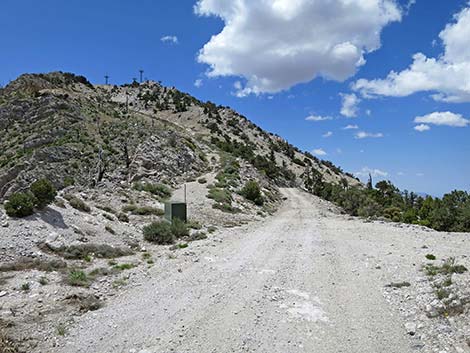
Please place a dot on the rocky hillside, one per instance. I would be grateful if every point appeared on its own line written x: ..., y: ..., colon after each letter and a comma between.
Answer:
x: 61, y: 127
x: 115, y: 154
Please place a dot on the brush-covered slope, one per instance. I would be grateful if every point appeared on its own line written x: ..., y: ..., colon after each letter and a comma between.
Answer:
x: 61, y: 127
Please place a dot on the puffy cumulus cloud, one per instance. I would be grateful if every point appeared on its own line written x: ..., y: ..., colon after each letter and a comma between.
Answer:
x: 351, y: 127
x: 276, y: 44
x: 319, y: 152
x: 349, y: 105
x: 375, y: 173
x: 443, y: 119
x: 318, y: 118
x: 328, y: 134
x: 198, y: 83
x: 169, y: 39
x: 447, y: 76
x: 363, y: 135
x: 422, y: 127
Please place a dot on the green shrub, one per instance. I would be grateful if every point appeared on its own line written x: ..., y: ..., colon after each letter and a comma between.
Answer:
x: 123, y: 267
x: 450, y: 267
x: 68, y: 181
x: 179, y: 228
x: 370, y: 208
x: 193, y: 224
x: 410, y: 216
x: 442, y: 293
x: 147, y: 210
x: 162, y: 191
x: 44, y: 192
x: 251, y: 191
x: 220, y: 195
x: 129, y: 208
x: 198, y: 236
x: 431, y: 270
x: 61, y: 330
x: 78, y: 278
x: 225, y: 207
x: 159, y: 232
x: 230, y: 175
x: 60, y: 203
x: 79, y: 204
x: 447, y: 282
x: 430, y: 257
x: 393, y: 213
x: 144, y: 210
x: 202, y: 180
x: 20, y: 205
x: 165, y: 233
x: 298, y: 162
x: 106, y: 209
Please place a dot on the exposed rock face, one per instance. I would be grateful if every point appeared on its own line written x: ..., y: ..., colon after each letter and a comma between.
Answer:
x: 158, y: 160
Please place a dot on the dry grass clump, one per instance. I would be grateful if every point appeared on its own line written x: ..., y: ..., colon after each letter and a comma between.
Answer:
x: 81, y: 251
x: 26, y: 263
x: 7, y: 344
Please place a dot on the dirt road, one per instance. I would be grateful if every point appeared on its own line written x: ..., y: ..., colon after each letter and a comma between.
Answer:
x: 304, y: 280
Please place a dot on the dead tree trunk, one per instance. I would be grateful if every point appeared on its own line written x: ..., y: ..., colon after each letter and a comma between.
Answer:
x: 101, y: 167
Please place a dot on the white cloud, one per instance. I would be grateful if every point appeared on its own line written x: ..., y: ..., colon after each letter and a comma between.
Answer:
x: 169, y: 39
x: 319, y: 152
x: 349, y: 105
x: 400, y: 174
x: 198, y: 83
x: 351, y: 127
x: 422, y: 127
x: 375, y: 173
x: 443, y: 119
x: 318, y: 118
x: 410, y: 5
x: 328, y: 134
x: 277, y: 44
x: 447, y: 76
x: 362, y: 135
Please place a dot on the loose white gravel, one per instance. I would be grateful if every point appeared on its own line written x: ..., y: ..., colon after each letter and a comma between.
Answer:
x: 304, y: 280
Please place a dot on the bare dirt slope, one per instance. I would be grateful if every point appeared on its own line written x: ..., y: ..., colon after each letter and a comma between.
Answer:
x: 305, y: 280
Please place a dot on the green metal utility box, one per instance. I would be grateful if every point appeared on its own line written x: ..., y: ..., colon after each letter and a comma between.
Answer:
x: 176, y: 210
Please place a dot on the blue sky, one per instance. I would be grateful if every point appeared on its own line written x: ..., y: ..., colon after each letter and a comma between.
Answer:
x: 94, y: 38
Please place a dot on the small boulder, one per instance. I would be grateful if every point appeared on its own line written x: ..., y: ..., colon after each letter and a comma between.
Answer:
x: 410, y: 328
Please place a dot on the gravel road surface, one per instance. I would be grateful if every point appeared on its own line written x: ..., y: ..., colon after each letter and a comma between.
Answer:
x: 303, y: 280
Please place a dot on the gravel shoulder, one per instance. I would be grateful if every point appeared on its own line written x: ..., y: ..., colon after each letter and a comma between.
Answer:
x: 306, y: 279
